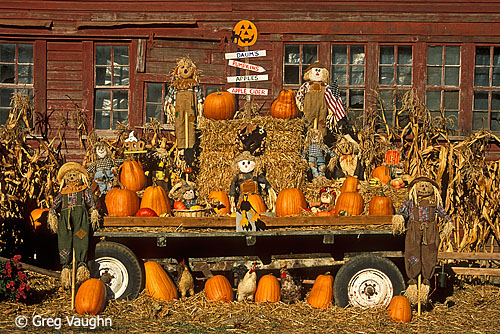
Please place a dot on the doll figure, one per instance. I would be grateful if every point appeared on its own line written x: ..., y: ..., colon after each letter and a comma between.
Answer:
x: 104, y: 168
x: 315, y: 151
x: 422, y: 233
x: 77, y: 211
x: 327, y: 200
x: 185, y: 192
x: 348, y: 162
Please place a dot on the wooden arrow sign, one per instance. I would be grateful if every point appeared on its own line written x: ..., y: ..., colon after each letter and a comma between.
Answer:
x: 248, y: 78
x: 246, y: 54
x: 247, y: 91
x: 246, y: 66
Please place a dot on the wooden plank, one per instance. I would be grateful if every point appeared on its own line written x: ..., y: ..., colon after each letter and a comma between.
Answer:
x: 476, y: 271
x: 468, y: 256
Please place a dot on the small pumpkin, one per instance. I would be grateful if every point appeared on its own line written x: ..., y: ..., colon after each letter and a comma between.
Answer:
x: 158, y: 283
x: 380, y: 206
x: 326, y: 213
x: 91, y: 297
x: 290, y: 202
x: 220, y: 202
x: 219, y: 105
x: 382, y: 173
x: 352, y: 203
x: 397, y: 183
x: 399, y: 309
x: 268, y: 289
x: 178, y: 205
x: 218, y: 288
x: 38, y: 217
x: 146, y: 212
x: 350, y: 185
x: 132, y: 176
x: 322, y: 292
x: 392, y: 157
x: 156, y: 198
x: 285, y: 105
x: 122, y: 202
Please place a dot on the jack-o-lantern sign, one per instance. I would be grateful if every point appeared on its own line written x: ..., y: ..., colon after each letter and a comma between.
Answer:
x: 244, y: 33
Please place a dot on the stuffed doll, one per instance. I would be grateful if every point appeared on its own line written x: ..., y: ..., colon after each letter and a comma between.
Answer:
x: 104, y: 168
x: 75, y: 203
x: 348, y: 162
x: 327, y: 200
x: 422, y: 233
x: 185, y: 192
x: 315, y: 151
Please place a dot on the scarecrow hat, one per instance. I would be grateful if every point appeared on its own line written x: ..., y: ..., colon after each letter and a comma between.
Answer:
x: 70, y: 167
x: 422, y: 179
x: 313, y: 65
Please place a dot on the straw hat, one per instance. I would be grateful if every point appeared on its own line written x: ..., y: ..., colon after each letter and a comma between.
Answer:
x: 423, y: 179
x: 70, y: 167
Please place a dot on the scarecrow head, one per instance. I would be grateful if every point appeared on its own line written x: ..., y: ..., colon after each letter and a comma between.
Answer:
x: 314, y: 136
x: 316, y: 73
x: 72, y: 173
x: 183, y: 191
x: 345, y: 147
x: 185, y: 69
x: 246, y: 163
x: 102, y: 150
x: 424, y: 188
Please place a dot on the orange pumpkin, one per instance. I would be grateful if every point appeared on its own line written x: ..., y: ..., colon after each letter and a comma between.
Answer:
x: 132, y: 175
x: 326, y: 213
x: 218, y: 288
x: 178, y: 205
x: 221, y: 202
x: 146, y: 212
x: 350, y: 185
x: 268, y: 289
x: 380, y: 206
x: 37, y: 217
x: 219, y: 105
x: 290, y: 202
x: 257, y: 203
x: 156, y: 198
x: 322, y: 292
x: 122, y: 202
x: 382, y: 173
x: 158, y: 283
x: 352, y: 203
x: 392, y: 157
x: 399, y: 309
x: 91, y: 297
x: 285, y: 106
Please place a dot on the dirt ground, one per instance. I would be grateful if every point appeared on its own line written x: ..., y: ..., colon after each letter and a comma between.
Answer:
x: 469, y: 309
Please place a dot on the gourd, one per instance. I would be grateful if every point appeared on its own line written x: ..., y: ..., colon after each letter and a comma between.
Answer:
x: 322, y: 292
x: 122, y: 202
x: 268, y: 289
x: 218, y: 288
x: 156, y: 198
x: 91, y: 297
x: 290, y: 202
x: 219, y: 106
x: 158, y: 283
x: 285, y: 106
x: 399, y: 309
x: 382, y: 173
x: 222, y: 205
x: 132, y: 175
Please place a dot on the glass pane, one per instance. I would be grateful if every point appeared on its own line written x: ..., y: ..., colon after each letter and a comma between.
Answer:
x: 5, y: 97
x: 496, y: 76
x: 451, y: 75
x: 481, y: 76
x: 386, y: 75
x: 433, y: 76
x: 25, y: 74
x: 292, y: 75
x: 386, y: 54
x: 356, y: 99
x: 495, y: 121
x: 388, y: 105
x: 482, y: 55
x: 103, y: 99
x: 120, y: 100
x: 495, y: 101
x: 120, y: 55
x: 7, y: 73
x: 433, y: 100
x: 103, y: 76
x: 119, y: 116
x: 453, y: 117
x: 339, y: 72
x: 120, y: 76
x: 4, y: 115
x: 496, y: 56
x: 102, y: 117
x: 404, y: 75
x: 292, y: 54
x: 451, y: 100
x: 434, y: 55
x: 103, y: 55
x: 405, y: 55
x: 309, y: 53
x: 153, y: 111
x: 25, y: 53
x: 339, y: 54
x: 452, y: 56
x: 479, y: 120
x: 7, y: 53
x: 357, y: 75
x: 480, y: 101
x: 209, y: 89
x: 357, y: 54
x: 154, y: 92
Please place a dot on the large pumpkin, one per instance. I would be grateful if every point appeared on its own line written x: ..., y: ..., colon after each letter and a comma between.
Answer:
x: 382, y: 173
x: 322, y: 292
x: 219, y: 105
x: 380, y: 206
x: 285, y: 106
x: 399, y: 309
x: 38, y: 217
x: 221, y: 202
x: 268, y: 289
x: 290, y: 202
x: 122, y: 202
x: 218, y: 288
x: 156, y: 198
x: 158, y: 283
x: 350, y: 185
x: 91, y: 297
x: 132, y: 175
x: 257, y: 203
x: 352, y: 203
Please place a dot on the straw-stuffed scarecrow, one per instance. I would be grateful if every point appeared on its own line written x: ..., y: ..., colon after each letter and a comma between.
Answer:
x: 422, y: 233
x: 76, y: 207
x: 315, y: 151
x: 348, y: 162
x: 185, y: 192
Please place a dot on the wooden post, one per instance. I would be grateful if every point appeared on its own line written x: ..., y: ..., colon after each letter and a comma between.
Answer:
x: 73, y: 279
x: 186, y: 130
x: 419, y: 291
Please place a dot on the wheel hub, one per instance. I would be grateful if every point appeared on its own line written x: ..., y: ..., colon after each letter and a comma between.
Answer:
x: 370, y: 287
x: 114, y: 274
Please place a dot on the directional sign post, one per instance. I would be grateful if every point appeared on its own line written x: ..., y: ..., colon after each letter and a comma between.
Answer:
x: 246, y: 66
x: 248, y: 91
x: 248, y: 78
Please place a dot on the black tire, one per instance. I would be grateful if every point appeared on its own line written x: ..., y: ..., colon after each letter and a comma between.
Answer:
x: 125, y: 271
x: 364, y: 281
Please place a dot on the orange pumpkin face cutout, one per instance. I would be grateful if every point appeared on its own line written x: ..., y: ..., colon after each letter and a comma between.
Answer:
x: 244, y: 33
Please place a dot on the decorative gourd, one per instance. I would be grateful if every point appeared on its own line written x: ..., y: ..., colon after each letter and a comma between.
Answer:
x: 382, y: 173
x: 326, y: 213
x: 122, y: 202
x: 397, y: 183
x: 350, y: 185
x: 222, y: 205
x: 132, y: 175
x: 290, y: 202
x: 218, y: 288
x: 146, y: 212
x: 156, y: 198
x: 322, y: 292
x: 158, y: 283
x: 399, y: 309
x: 91, y: 297
x: 352, y: 203
x: 36, y: 217
x: 380, y: 206
x: 285, y: 106
x: 268, y: 289
x: 219, y: 105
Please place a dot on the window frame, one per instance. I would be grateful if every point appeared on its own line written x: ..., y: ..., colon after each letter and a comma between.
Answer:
x: 300, y: 65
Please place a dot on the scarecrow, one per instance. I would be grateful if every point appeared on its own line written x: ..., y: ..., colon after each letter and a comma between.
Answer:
x: 315, y: 151
x: 348, y: 162
x: 422, y: 233
x: 327, y: 200
x: 74, y: 202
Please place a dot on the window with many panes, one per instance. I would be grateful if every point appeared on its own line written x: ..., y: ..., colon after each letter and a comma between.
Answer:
x: 297, y: 58
x: 111, y: 86
x: 348, y: 68
x: 16, y: 74
x: 395, y: 77
x: 486, y: 107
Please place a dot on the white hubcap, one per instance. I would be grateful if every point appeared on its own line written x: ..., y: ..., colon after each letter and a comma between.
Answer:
x: 370, y: 287
x: 114, y: 274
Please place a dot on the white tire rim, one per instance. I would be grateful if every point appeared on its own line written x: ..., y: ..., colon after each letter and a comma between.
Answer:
x: 117, y: 272
x: 369, y: 288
